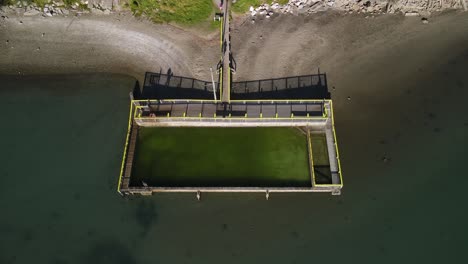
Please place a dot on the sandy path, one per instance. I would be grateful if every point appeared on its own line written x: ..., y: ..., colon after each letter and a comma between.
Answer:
x: 289, y: 45
x: 366, y: 59
x: 356, y: 53
x: 117, y: 44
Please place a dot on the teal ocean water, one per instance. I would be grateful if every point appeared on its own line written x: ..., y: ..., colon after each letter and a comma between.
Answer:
x: 404, y: 150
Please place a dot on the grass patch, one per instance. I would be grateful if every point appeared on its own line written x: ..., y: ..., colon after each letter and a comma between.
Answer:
x: 179, y: 11
x: 215, y: 25
x: 231, y: 157
x: 242, y: 6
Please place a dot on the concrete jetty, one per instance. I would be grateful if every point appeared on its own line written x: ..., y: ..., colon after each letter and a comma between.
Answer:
x: 226, y: 55
x: 174, y: 101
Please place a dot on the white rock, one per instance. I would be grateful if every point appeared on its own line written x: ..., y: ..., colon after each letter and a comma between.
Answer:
x: 411, y: 14
x: 32, y: 12
x: 251, y: 8
x: 107, y: 12
x: 253, y: 13
x: 97, y: 11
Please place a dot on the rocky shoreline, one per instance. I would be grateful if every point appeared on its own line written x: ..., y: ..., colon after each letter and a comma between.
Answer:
x: 371, y: 7
x: 59, y: 8
x: 422, y: 8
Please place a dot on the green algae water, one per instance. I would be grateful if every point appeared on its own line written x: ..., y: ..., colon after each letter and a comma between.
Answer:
x: 403, y: 148
x: 221, y: 157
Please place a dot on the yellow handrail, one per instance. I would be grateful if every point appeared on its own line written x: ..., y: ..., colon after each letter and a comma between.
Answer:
x: 336, y: 143
x: 233, y: 117
x: 311, y: 156
x: 129, y: 128
x: 236, y: 101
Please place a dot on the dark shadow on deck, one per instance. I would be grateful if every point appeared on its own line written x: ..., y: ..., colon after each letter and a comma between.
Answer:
x: 168, y: 86
x: 322, y: 174
x: 296, y: 87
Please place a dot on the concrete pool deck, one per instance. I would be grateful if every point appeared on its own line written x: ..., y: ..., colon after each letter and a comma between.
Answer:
x: 147, y: 113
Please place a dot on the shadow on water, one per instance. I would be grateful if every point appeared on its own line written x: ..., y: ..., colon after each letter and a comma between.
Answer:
x: 137, y: 90
x: 109, y: 251
x: 145, y: 215
x: 169, y: 86
x: 58, y: 261
x: 28, y: 235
